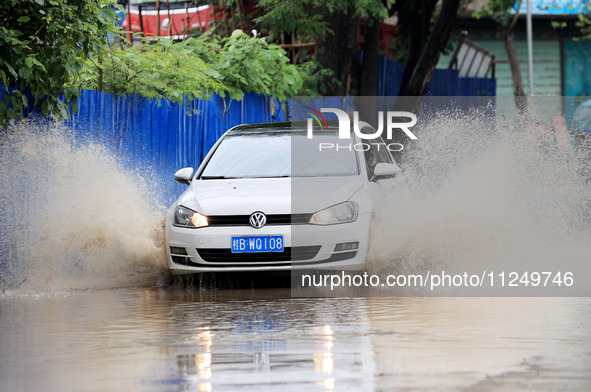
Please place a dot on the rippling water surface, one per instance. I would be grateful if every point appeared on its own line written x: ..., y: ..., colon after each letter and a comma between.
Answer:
x: 171, y: 339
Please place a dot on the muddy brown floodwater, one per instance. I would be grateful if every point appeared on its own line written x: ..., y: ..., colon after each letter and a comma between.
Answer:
x: 156, y: 339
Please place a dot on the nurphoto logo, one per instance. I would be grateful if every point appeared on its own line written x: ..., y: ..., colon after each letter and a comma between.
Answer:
x: 392, y: 120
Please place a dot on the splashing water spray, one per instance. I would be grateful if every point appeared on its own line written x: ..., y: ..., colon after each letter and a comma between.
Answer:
x: 72, y: 216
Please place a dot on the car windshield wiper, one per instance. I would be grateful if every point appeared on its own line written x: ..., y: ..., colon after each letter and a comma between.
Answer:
x: 214, y: 177
x: 280, y: 176
x: 226, y: 178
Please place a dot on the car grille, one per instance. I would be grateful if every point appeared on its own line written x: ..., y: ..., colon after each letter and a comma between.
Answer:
x: 233, y: 262
x: 288, y: 254
x: 243, y: 220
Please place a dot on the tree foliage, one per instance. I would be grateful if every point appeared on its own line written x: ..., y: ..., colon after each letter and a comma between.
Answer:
x: 334, y: 25
x: 196, y: 68
x: 43, y: 44
x: 331, y: 24
x: 52, y: 48
x: 583, y: 22
x: 498, y: 10
x: 290, y: 17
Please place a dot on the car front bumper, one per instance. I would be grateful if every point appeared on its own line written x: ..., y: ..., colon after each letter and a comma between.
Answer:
x: 208, y: 249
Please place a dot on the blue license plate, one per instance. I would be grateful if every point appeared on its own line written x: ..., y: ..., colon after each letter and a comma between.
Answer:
x: 252, y: 244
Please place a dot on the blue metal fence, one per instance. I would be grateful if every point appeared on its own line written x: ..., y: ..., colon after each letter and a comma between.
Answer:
x: 444, y: 82
x: 161, y: 136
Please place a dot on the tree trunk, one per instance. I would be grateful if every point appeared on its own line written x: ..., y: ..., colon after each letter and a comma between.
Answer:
x: 421, y: 74
x: 411, y: 92
x: 368, y: 84
x: 336, y: 52
x: 414, y: 22
x: 100, y: 74
x: 518, y: 90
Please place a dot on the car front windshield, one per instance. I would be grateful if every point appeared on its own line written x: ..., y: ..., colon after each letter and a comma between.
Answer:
x: 279, y: 154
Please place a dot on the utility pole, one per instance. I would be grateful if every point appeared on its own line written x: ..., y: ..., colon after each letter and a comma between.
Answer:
x: 530, y: 54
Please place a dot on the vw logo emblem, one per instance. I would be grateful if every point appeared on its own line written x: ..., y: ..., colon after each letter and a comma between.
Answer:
x: 258, y: 220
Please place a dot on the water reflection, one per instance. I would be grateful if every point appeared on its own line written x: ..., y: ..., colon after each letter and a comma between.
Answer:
x: 270, y: 340
x: 221, y: 340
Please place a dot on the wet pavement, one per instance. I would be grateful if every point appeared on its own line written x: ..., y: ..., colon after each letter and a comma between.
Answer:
x: 165, y: 339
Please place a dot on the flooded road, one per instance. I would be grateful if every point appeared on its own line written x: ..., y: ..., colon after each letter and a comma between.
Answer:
x: 100, y: 229
x: 165, y: 339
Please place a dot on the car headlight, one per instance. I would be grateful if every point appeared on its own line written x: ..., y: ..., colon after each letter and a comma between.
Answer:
x: 185, y: 217
x: 341, y: 213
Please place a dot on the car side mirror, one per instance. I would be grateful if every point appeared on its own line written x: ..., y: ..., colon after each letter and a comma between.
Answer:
x: 385, y: 170
x: 184, y: 175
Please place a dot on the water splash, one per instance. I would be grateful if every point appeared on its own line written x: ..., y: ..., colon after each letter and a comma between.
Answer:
x: 487, y: 195
x: 73, y: 217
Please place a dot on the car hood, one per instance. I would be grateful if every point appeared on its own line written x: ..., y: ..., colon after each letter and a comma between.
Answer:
x: 269, y: 195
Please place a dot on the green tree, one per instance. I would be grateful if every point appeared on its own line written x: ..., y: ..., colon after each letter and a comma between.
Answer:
x: 43, y: 44
x: 584, y: 20
x: 333, y: 26
x: 196, y: 68
x: 282, y: 22
x: 423, y: 29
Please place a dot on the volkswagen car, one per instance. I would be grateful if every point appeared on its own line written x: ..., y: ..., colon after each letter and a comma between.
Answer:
x: 272, y: 197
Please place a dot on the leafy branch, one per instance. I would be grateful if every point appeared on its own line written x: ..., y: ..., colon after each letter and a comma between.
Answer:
x: 43, y: 44
x: 197, y: 68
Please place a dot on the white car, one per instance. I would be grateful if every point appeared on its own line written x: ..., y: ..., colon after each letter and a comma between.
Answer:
x: 268, y: 198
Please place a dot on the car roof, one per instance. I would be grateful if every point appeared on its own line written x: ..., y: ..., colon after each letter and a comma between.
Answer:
x: 278, y: 127
x: 269, y: 127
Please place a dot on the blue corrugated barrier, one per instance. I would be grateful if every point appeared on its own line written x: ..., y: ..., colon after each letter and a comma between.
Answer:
x: 444, y: 82
x: 161, y: 136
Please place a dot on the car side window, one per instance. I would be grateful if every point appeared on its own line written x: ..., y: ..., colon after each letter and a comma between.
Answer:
x: 376, y: 153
